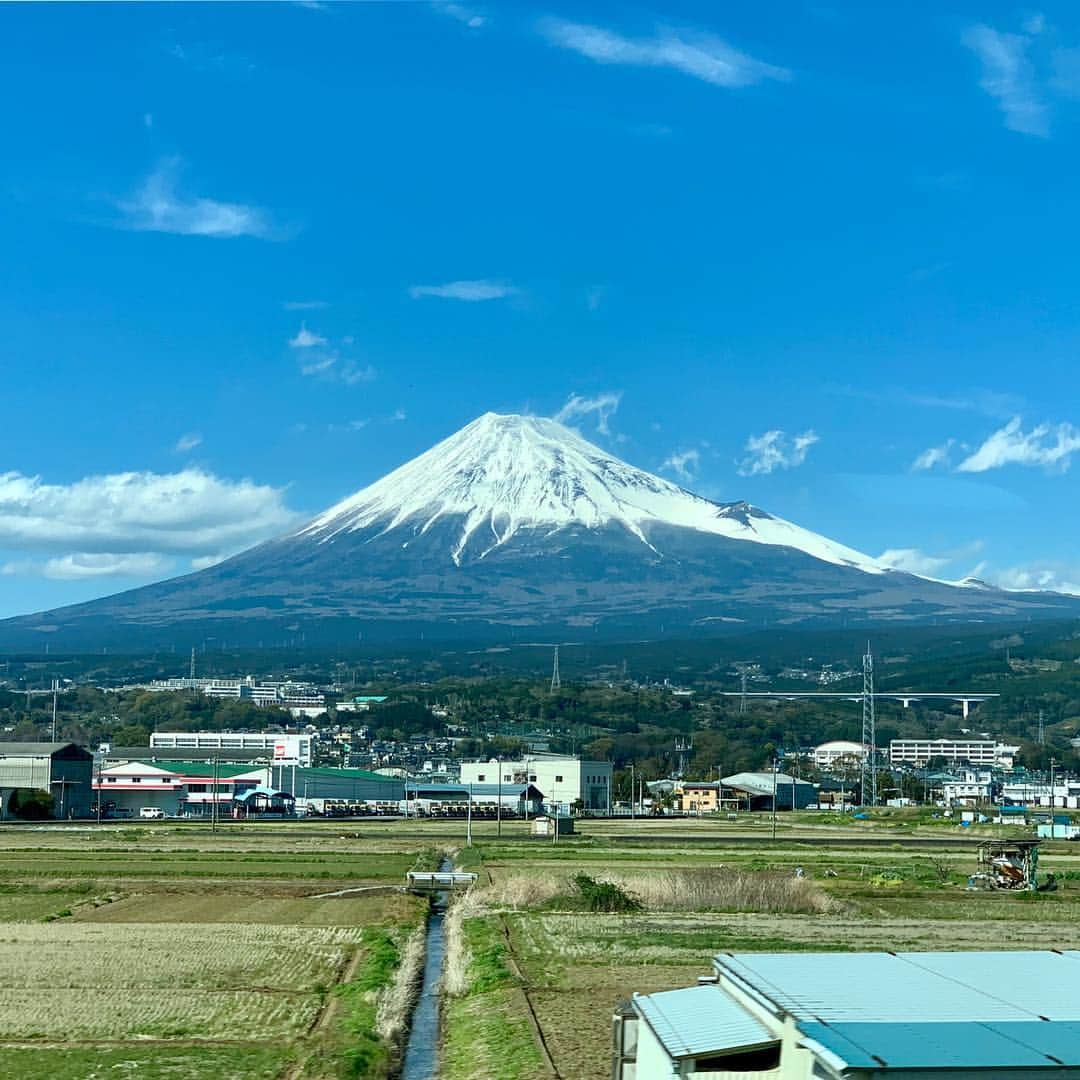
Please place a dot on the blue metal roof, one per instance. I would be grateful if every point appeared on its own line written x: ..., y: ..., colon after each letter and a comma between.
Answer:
x: 925, y: 1010
x: 953, y: 1045
x: 700, y: 1020
x: 914, y: 987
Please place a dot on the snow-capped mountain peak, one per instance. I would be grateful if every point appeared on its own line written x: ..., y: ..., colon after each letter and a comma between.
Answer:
x: 501, y: 474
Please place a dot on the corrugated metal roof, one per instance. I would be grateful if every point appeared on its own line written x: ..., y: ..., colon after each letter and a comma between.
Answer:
x: 920, y: 1010
x: 954, y: 1045
x: 700, y: 1020
x: 914, y: 987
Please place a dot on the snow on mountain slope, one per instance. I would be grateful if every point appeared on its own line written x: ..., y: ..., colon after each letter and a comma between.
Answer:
x: 504, y: 473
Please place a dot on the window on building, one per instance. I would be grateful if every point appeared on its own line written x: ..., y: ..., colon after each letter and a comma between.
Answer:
x: 558, y: 779
x: 480, y: 778
x: 532, y: 779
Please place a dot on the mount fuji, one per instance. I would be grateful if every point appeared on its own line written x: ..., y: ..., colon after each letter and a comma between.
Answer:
x: 515, y: 526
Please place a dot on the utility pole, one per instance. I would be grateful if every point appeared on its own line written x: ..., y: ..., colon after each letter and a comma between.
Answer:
x: 468, y: 820
x: 633, y: 790
x: 498, y: 805
x: 1053, y: 830
x: 868, y: 773
x: 214, y: 799
x: 55, y: 688
x: 774, y: 797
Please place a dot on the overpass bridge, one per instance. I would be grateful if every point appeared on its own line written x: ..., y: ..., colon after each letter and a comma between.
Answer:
x: 967, y: 698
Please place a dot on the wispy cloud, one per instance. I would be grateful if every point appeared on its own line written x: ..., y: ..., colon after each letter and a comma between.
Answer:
x: 1045, y: 446
x: 397, y: 416
x: 158, y: 206
x: 1008, y: 76
x: 469, y: 291
x: 683, y: 463
x: 702, y: 56
x: 306, y: 339
x: 992, y: 403
x: 331, y: 368
x: 934, y: 456
x: 471, y: 18
x: 603, y: 406
x: 774, y: 450
x: 188, y: 442
x: 305, y: 305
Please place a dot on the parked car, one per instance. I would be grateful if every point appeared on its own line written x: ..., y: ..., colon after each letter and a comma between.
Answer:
x: 152, y: 812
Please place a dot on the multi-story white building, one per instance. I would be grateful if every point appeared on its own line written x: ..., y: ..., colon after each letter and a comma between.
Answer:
x: 301, y: 699
x: 972, y: 786
x: 967, y: 751
x: 561, y: 780
x: 282, y: 749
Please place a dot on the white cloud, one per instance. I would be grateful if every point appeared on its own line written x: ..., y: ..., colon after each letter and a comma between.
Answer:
x: 333, y: 369
x: 1046, y: 446
x: 470, y: 291
x: 158, y: 207
x: 683, y: 463
x: 1043, y: 576
x: 187, y: 512
x: 603, y: 405
x: 472, y: 19
x: 305, y: 339
x: 702, y: 56
x: 305, y: 305
x: 81, y: 565
x: 914, y: 561
x: 1009, y: 78
x: 934, y: 456
x: 204, y: 562
x: 187, y: 442
x: 398, y: 416
x: 774, y: 450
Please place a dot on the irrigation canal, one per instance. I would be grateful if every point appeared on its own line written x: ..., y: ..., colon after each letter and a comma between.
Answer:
x: 422, y: 1050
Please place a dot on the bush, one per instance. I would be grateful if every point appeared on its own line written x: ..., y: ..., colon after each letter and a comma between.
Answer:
x: 604, y: 896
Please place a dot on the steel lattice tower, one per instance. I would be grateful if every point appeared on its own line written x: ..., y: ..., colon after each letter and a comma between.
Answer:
x: 868, y: 772
x: 556, y: 682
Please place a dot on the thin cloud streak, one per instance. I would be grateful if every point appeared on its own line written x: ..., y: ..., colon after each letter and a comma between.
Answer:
x: 699, y: 55
x: 469, y: 291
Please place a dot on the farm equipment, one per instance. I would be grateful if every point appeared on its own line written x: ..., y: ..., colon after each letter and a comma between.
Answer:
x: 1007, y: 864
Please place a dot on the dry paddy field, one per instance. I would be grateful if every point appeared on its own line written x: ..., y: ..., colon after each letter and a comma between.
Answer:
x: 171, y: 953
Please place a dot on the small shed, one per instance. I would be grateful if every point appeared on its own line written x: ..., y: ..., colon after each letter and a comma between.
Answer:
x: 553, y: 825
x: 264, y: 802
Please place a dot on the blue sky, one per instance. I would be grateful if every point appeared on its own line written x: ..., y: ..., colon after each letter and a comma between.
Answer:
x: 818, y: 256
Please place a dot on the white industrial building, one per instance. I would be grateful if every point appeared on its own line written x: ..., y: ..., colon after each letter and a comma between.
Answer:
x: 1063, y: 793
x: 962, y: 751
x: 562, y: 780
x: 281, y: 749
x: 838, y: 752
x: 834, y: 1016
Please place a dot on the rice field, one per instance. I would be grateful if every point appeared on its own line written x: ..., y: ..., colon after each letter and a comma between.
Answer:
x: 184, y: 955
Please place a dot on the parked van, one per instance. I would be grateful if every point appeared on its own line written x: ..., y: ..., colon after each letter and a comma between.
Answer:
x: 151, y: 812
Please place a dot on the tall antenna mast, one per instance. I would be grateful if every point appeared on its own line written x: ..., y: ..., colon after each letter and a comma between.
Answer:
x: 556, y: 682
x: 868, y: 772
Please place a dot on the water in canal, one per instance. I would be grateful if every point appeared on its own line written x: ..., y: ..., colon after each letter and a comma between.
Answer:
x: 422, y: 1052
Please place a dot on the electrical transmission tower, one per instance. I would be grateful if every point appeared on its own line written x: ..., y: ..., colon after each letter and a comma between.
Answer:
x: 742, y: 698
x: 1040, y: 738
x: 683, y: 746
x: 556, y: 682
x: 191, y: 669
x: 868, y: 772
